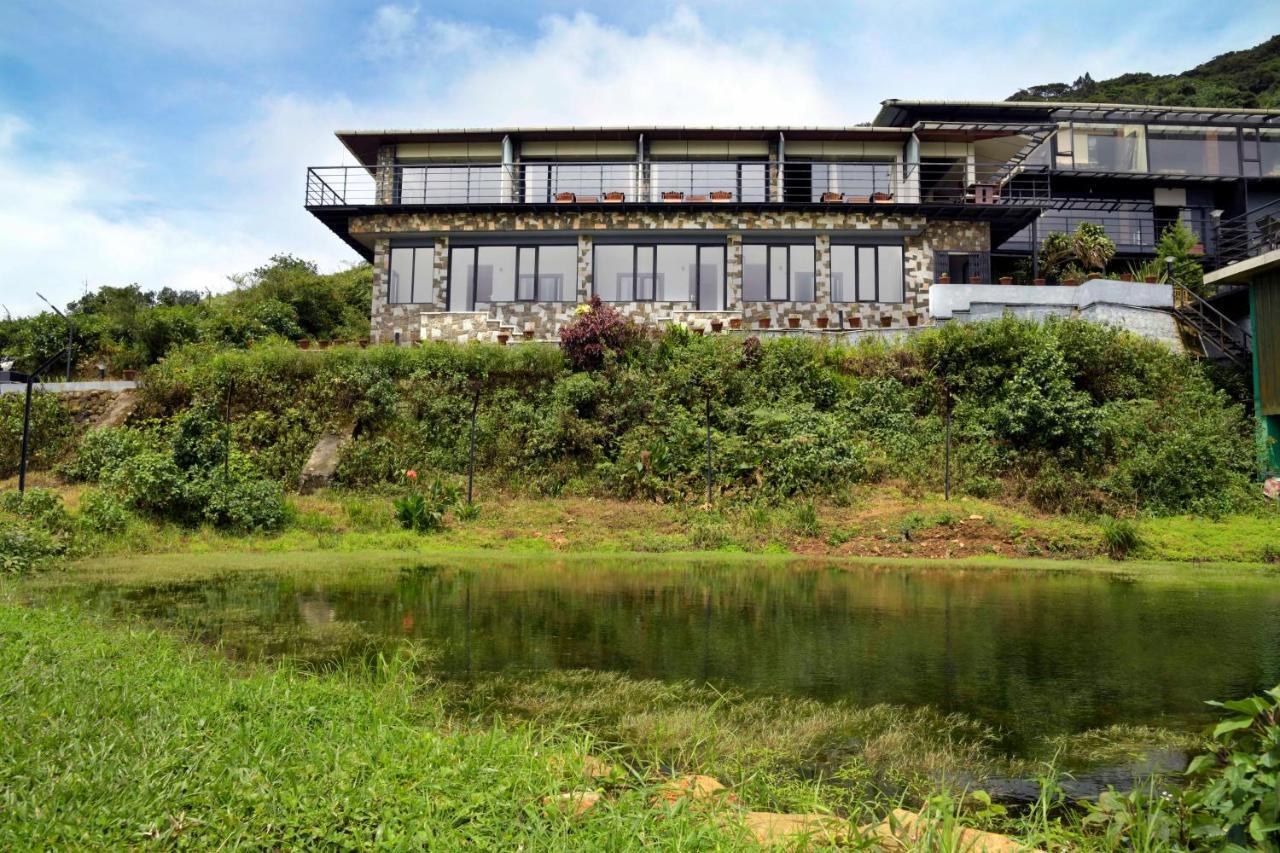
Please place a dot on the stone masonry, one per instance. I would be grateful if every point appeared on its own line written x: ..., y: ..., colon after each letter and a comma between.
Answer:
x: 430, y: 320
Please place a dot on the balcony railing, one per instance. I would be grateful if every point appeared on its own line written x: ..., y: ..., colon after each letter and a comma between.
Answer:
x: 674, y: 182
x: 1133, y: 232
x: 1249, y: 235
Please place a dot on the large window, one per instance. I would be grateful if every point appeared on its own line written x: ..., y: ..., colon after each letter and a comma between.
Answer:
x: 449, y: 184
x: 778, y: 273
x: 410, y: 280
x: 856, y: 179
x: 544, y: 181
x: 669, y: 272
x: 861, y: 273
x: 1269, y: 152
x: 490, y: 274
x: 1193, y: 150
x: 1105, y: 147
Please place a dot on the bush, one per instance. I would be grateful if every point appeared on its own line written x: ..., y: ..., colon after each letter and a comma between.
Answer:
x: 422, y: 510
x: 102, y: 512
x: 51, y: 430
x: 597, y: 332
x: 33, y: 530
x: 102, y: 451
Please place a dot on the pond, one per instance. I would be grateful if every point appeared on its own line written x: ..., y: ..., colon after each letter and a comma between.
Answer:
x: 1033, y: 653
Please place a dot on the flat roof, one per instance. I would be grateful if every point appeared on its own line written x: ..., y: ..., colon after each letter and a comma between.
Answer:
x: 364, y: 143
x: 898, y: 112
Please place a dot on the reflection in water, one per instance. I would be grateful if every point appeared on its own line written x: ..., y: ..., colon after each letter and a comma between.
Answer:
x: 1035, y: 654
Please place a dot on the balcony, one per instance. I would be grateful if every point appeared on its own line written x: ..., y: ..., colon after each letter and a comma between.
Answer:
x: 742, y: 182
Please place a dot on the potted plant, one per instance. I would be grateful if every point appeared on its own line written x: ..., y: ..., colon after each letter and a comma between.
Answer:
x: 1126, y: 276
x: 858, y: 199
x: 1006, y: 279
x: 764, y: 322
x: 882, y: 198
x: 717, y: 325
x: 975, y: 279
x: 1093, y: 276
x: 721, y: 196
x: 828, y: 198
x: 696, y: 199
x: 1150, y: 279
x: 615, y: 197
x: 565, y: 198
x: 528, y: 333
x: 672, y: 195
x: 503, y: 337
x: 945, y: 278
x: 1039, y: 282
x: 129, y: 375
x: 1070, y: 280
x: 885, y: 321
x: 913, y: 319
x: 793, y: 322
x: 364, y: 343
x: 822, y: 321
x: 735, y: 323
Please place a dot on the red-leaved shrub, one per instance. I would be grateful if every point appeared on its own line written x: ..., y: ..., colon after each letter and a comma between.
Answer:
x: 599, y: 330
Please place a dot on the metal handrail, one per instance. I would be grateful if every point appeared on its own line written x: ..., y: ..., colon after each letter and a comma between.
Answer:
x: 690, y: 181
x: 1220, y: 322
x: 1249, y: 234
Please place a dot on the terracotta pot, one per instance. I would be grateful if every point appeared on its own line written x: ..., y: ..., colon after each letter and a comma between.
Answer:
x: 886, y: 322
x: 528, y: 334
x: 722, y: 196
x: 1197, y: 249
x: 364, y: 343
x: 565, y: 198
x: 735, y: 323
x: 503, y: 338
x: 304, y: 344
x: 764, y: 324
x: 975, y: 279
x: 672, y: 196
x: 945, y: 278
x: 855, y: 322
x: 793, y: 322
x: 698, y: 331
x: 129, y: 375
x: 615, y: 198
x: 1093, y: 276
x: 717, y: 325
x: 1125, y: 276
x: 822, y: 322
x: 1150, y: 279
x: 1070, y: 281
x: 1039, y: 282
x: 827, y: 198
x: 913, y: 319
x: 881, y: 198
x: 1006, y: 279
x: 859, y: 199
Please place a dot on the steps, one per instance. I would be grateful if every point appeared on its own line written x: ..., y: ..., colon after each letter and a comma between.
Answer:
x: 1213, y: 329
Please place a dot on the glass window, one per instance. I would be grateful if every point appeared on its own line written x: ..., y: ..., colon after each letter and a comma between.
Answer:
x: 1110, y: 147
x: 802, y: 272
x: 400, y: 286
x: 411, y: 275
x: 755, y: 272
x: 450, y: 184
x: 778, y: 273
x: 844, y: 273
x: 677, y: 269
x: 496, y: 274
x: 867, y: 274
x: 746, y: 181
x: 614, y: 272
x: 1269, y: 148
x: 852, y: 178
x: 462, y: 262
x: 1193, y: 151
x: 645, y: 289
x: 558, y: 273
x: 711, y: 278
x: 527, y: 285
x: 889, y: 273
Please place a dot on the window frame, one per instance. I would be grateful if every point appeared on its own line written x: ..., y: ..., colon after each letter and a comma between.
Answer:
x: 413, y: 275
x: 857, y: 272
x: 785, y: 246
x: 475, y: 270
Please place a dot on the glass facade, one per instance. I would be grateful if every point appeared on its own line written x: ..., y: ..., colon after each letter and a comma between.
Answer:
x: 508, y: 273
x: 665, y: 272
x: 1193, y: 150
x: 778, y: 273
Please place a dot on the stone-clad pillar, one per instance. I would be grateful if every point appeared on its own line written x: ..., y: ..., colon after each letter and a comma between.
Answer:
x: 584, y: 268
x: 822, y: 271
x: 733, y: 273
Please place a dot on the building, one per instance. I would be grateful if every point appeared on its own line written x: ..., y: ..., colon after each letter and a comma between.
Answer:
x: 477, y: 234
x: 1132, y: 169
x: 501, y: 233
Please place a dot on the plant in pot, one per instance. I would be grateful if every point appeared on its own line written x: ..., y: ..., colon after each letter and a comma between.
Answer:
x: 1039, y: 282
x: 885, y: 321
x: 827, y: 198
x: 615, y: 197
x: 855, y: 322
x: 503, y: 337
x: 1006, y: 279
x: 793, y: 322
x: 764, y: 322
x: 565, y: 198
x: 717, y: 325
x: 735, y: 322
x: 975, y: 279
x: 822, y: 321
x: 304, y: 343
x: 913, y: 319
x: 721, y: 196
x: 945, y: 278
x: 672, y: 195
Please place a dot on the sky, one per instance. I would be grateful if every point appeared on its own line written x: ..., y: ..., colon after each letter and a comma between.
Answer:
x: 167, y: 143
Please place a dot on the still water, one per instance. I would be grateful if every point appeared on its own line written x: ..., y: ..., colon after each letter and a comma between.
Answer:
x: 1034, y: 653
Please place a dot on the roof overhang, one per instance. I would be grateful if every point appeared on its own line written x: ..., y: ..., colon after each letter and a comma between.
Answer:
x: 903, y: 113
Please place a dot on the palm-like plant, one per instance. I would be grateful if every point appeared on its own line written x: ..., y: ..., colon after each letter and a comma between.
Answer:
x: 1092, y: 248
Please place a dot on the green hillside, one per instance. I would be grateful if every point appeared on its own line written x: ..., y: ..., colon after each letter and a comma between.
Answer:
x: 1242, y: 78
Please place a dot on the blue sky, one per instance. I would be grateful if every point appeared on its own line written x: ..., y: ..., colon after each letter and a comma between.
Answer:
x: 166, y: 143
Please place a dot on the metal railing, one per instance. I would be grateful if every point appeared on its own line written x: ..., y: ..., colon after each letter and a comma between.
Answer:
x: 1135, y: 232
x: 1212, y: 326
x: 664, y: 181
x: 1248, y: 235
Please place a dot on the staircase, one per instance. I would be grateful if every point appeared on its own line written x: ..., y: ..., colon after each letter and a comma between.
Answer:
x: 1212, y: 328
x: 1247, y: 236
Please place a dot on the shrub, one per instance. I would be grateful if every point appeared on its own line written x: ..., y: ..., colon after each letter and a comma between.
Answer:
x: 102, y: 512
x: 423, y: 509
x: 1120, y: 537
x: 51, y: 431
x: 102, y: 451
x: 597, y: 332
x: 33, y: 530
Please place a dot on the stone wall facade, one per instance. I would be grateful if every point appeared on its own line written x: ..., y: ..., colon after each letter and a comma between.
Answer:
x: 429, y: 319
